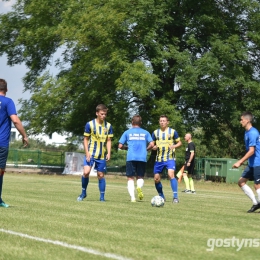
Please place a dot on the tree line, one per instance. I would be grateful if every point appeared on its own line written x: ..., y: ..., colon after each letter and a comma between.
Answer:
x: 195, y: 61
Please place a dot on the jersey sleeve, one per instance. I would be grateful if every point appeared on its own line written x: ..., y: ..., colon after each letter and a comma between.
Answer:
x: 191, y: 147
x: 149, y: 138
x: 87, y: 131
x: 176, y: 137
x: 11, y: 110
x: 122, y: 139
x: 110, y: 131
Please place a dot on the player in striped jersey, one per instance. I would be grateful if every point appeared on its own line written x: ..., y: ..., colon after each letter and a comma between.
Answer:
x: 166, y: 140
x: 97, y: 145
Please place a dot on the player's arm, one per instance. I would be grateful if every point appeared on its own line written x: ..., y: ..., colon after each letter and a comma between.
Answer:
x: 249, y: 153
x: 85, y: 143
x: 155, y: 147
x: 19, y: 126
x: 192, y: 153
x: 150, y: 146
x: 109, y: 145
x: 176, y: 145
x: 122, y: 147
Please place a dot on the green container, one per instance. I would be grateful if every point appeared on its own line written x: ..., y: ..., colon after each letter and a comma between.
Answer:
x: 220, y: 169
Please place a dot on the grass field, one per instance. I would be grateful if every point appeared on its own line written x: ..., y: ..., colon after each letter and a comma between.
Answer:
x: 44, y: 221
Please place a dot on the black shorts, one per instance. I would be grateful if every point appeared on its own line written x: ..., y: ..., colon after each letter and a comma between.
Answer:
x: 252, y: 174
x: 135, y: 168
x: 189, y: 169
x: 3, y: 157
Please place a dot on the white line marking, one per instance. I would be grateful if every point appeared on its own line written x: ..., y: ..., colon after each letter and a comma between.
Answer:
x: 59, y: 243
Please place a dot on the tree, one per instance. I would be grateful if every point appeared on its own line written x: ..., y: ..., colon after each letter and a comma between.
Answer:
x: 193, y: 60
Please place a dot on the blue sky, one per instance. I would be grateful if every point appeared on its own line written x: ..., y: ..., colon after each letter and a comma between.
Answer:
x: 13, y: 75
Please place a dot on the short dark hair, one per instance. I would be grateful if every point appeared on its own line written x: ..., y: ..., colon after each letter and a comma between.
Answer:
x: 248, y: 115
x: 101, y: 107
x: 3, y: 85
x: 137, y: 120
x: 164, y: 117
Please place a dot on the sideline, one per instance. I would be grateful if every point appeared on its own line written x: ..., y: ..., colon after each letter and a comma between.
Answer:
x: 59, y: 243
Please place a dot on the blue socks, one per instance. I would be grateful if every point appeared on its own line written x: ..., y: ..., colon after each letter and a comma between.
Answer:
x: 102, y: 188
x: 159, y: 189
x: 84, y: 182
x: 101, y: 185
x: 174, y: 185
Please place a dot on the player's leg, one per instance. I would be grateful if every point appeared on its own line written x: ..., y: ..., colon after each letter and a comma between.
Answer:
x: 257, y: 182
x: 3, y: 159
x: 191, y: 182
x: 140, y: 171
x: 100, y: 166
x: 248, y: 174
x: 85, y: 179
x: 173, y: 180
x: 130, y: 173
x: 186, y: 180
x: 158, y: 168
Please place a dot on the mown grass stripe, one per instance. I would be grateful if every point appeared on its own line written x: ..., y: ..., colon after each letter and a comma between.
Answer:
x: 63, y: 244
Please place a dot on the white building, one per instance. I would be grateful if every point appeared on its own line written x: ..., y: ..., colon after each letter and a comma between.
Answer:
x: 54, y: 139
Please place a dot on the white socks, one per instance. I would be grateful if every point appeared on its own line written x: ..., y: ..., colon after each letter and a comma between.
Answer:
x: 248, y: 191
x: 140, y: 183
x: 258, y: 193
x: 131, y: 189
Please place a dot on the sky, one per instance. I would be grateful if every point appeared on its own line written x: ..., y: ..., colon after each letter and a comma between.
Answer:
x: 12, y: 74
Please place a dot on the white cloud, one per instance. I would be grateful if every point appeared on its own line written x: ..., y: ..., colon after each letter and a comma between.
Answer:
x: 5, y: 6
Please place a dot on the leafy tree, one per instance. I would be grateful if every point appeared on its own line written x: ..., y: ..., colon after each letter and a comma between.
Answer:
x: 196, y: 61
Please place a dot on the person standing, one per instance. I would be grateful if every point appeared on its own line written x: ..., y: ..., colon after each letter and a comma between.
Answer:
x: 8, y: 116
x: 189, y: 165
x: 97, y: 146
x: 135, y: 141
x: 252, y: 171
x: 166, y: 140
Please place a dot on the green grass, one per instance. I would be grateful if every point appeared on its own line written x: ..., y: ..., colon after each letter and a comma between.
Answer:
x: 45, y: 207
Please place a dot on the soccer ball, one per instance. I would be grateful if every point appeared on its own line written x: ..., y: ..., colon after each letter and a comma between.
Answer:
x: 157, y: 201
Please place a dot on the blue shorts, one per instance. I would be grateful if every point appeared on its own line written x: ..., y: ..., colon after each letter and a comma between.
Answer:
x: 252, y: 174
x: 159, y: 166
x: 135, y: 168
x: 100, y: 165
x: 3, y: 157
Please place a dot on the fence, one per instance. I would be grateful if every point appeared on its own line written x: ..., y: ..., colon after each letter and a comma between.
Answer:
x: 35, y: 158
x: 205, y: 168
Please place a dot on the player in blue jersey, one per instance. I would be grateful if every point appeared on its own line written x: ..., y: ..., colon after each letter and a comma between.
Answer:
x: 137, y: 142
x: 166, y: 140
x: 252, y: 171
x: 7, y: 116
x: 97, y: 145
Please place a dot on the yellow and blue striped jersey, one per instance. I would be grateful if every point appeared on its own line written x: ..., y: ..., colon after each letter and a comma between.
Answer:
x: 98, y: 135
x: 162, y: 140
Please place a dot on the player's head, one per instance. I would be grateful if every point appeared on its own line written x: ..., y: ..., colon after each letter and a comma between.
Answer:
x: 163, y: 121
x: 101, y: 107
x: 246, y: 119
x: 137, y: 120
x: 3, y: 86
x: 187, y: 137
x: 101, y: 112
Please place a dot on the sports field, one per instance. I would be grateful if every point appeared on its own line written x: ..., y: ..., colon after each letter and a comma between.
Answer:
x: 44, y: 221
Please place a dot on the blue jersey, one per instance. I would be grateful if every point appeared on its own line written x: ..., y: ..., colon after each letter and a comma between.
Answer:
x: 7, y: 108
x: 136, y: 139
x: 252, y: 140
x: 98, y: 135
